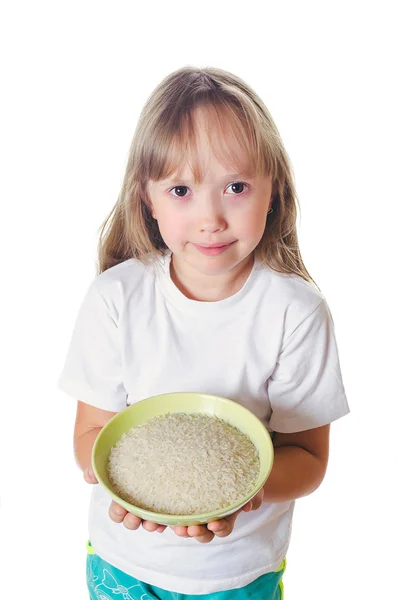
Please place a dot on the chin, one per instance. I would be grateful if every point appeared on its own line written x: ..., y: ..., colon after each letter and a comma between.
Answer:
x: 216, y: 265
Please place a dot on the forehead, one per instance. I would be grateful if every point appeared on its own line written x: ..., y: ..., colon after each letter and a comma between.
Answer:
x: 210, y: 145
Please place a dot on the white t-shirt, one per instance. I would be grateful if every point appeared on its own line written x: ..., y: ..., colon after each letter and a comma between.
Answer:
x: 270, y: 346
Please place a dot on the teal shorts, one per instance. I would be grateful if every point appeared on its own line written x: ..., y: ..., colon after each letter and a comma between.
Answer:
x: 107, y: 583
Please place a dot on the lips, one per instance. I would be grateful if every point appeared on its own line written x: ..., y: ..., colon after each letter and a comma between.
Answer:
x: 220, y: 245
x: 213, y: 249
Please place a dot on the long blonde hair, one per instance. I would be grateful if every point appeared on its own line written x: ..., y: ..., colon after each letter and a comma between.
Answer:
x: 165, y: 138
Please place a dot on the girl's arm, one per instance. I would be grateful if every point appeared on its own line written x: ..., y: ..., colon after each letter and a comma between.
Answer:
x: 89, y: 422
x: 300, y: 463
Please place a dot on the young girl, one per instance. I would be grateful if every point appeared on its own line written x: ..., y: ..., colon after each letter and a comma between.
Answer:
x: 201, y: 287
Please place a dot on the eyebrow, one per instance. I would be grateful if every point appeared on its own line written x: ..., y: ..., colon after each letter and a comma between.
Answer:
x: 228, y: 176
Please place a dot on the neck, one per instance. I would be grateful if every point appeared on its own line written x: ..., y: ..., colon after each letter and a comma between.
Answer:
x: 204, y: 288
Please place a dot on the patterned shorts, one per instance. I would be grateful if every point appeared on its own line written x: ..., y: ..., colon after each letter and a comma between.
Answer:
x: 105, y: 582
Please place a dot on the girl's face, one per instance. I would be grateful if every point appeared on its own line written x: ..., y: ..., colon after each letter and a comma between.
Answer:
x: 213, y: 227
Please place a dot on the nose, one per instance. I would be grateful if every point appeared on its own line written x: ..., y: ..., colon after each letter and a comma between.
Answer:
x: 211, y: 218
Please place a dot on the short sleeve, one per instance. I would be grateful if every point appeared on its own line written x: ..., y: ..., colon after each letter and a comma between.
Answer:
x: 305, y: 389
x: 92, y: 371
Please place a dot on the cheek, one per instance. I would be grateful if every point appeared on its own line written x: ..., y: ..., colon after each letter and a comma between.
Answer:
x: 252, y: 224
x: 171, y: 225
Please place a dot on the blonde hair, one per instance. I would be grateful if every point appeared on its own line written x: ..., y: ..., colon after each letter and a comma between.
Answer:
x: 165, y: 138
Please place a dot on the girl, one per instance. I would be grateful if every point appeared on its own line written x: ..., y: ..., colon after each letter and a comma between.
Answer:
x: 201, y: 287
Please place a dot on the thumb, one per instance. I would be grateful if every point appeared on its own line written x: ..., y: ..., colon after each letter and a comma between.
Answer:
x: 89, y: 475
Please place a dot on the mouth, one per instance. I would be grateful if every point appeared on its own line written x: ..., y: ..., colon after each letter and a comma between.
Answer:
x: 213, y: 249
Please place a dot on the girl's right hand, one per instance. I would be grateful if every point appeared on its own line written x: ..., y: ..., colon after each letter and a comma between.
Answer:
x: 89, y: 475
x: 118, y: 514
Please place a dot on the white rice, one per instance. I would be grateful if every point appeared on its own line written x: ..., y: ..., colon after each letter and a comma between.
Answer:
x: 183, y: 464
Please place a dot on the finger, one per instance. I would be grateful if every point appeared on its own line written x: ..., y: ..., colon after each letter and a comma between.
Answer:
x: 220, y: 528
x: 89, y: 475
x: 216, y: 526
x: 197, y: 530
x: 247, y: 507
x: 150, y: 526
x: 161, y: 528
x: 181, y: 531
x: 257, y: 500
x: 131, y: 521
x: 224, y: 527
x: 256, y: 503
x: 117, y: 512
x: 205, y: 538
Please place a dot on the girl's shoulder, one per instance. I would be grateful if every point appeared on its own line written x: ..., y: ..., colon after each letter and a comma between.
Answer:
x: 290, y: 292
x: 116, y: 286
x: 130, y: 273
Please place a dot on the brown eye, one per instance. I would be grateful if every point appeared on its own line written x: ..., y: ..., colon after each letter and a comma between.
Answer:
x: 237, y: 185
x: 179, y: 190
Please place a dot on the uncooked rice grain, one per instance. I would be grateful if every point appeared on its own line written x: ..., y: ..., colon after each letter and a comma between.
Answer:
x: 183, y: 464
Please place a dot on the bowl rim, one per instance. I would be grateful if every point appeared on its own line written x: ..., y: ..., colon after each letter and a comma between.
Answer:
x: 227, y: 510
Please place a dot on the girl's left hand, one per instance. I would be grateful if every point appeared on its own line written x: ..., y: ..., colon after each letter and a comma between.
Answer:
x: 222, y: 528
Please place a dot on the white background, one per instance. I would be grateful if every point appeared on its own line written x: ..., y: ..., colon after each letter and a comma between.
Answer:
x: 75, y: 76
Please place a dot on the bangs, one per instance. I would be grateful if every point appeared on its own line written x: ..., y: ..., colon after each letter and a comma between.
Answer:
x: 234, y: 138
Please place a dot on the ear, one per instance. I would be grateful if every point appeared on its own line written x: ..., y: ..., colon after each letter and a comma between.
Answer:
x: 151, y: 210
x: 146, y: 200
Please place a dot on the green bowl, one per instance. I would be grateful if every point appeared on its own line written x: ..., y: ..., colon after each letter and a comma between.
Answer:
x: 185, y: 402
